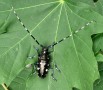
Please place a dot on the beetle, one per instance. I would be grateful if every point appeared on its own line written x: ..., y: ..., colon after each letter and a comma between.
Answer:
x: 44, y: 59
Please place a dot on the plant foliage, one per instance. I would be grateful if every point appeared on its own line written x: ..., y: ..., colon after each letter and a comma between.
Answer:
x: 50, y: 21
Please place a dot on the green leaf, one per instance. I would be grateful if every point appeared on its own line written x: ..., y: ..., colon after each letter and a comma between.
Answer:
x: 99, y: 84
x: 99, y: 57
x: 19, y: 83
x: 98, y: 42
x: 12, y: 51
x: 49, y: 21
x: 99, y: 6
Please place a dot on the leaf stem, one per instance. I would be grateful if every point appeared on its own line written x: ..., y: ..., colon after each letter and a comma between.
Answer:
x: 4, y: 86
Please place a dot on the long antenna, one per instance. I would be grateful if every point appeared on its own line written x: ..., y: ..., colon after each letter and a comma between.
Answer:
x: 50, y: 46
x: 25, y: 27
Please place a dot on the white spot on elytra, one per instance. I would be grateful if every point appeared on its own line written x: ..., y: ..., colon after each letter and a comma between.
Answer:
x: 46, y: 70
x: 44, y: 52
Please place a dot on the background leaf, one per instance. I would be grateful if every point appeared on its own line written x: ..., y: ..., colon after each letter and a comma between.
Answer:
x: 49, y: 21
x: 99, y: 6
x: 98, y: 45
x: 98, y: 48
x: 98, y: 85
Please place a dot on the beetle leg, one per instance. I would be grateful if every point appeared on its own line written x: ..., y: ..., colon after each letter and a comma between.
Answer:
x: 36, y: 49
x: 52, y: 75
x: 34, y: 68
x: 56, y: 67
x: 31, y: 57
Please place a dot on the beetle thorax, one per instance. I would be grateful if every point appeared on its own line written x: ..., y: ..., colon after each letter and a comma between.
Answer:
x: 44, y: 51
